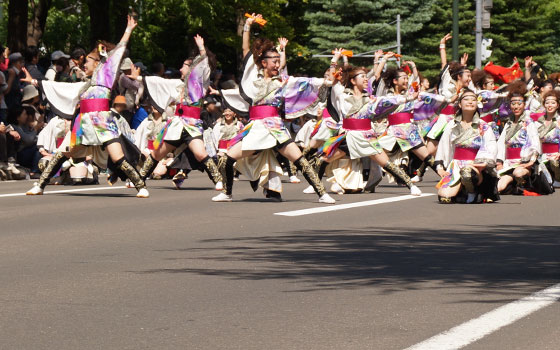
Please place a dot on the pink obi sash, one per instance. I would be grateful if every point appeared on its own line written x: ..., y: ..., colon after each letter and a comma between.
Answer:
x: 400, y: 118
x: 187, y: 111
x: 513, y: 153
x: 536, y: 116
x: 261, y: 112
x: 464, y: 153
x: 356, y: 124
x: 549, y: 148
x: 448, y: 110
x: 94, y: 105
x: 223, y: 144
x: 488, y: 118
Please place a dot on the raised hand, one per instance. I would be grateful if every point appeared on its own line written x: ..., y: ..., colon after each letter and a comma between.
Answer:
x: 528, y: 61
x: 134, y: 72
x: 464, y: 59
x: 199, y: 41
x: 28, y: 78
x: 283, y: 43
x: 337, y: 53
x: 131, y: 23
x: 446, y: 38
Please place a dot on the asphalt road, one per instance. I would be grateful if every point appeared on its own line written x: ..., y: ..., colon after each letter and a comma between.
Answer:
x: 105, y: 270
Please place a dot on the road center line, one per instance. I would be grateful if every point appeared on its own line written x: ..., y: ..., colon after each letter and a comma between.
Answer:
x: 66, y: 191
x: 350, y: 205
x: 477, y: 328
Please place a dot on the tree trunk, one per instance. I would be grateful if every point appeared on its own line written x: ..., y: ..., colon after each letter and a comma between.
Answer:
x: 99, y: 20
x: 36, y: 27
x: 17, y: 25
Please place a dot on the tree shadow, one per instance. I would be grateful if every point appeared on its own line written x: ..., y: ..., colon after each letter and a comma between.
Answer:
x: 507, y: 259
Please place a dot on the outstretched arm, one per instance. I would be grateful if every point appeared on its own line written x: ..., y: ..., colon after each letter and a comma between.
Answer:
x: 381, y: 64
x: 247, y: 33
x: 130, y: 25
x: 442, y: 53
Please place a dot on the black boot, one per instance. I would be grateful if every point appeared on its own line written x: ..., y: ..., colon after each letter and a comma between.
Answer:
x: 310, y: 175
x: 51, y: 169
x: 148, y: 168
x: 398, y: 174
x: 130, y: 172
x: 211, y: 169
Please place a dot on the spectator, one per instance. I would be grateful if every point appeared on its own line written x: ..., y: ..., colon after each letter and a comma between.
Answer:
x: 141, y: 113
x: 158, y: 69
x: 4, y: 60
x: 62, y: 67
x: 55, y: 56
x: 77, y: 60
x: 3, y: 107
x: 128, y: 87
x: 27, y: 153
x: 31, y: 99
x: 31, y: 59
x: 119, y: 107
x: 13, y: 93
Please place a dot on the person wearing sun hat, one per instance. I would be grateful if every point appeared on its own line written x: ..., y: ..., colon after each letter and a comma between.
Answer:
x: 55, y: 56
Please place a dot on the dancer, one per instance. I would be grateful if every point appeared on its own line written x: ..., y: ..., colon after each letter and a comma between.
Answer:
x: 357, y: 110
x: 519, y: 148
x: 95, y: 126
x: 266, y: 130
x: 185, y: 128
x: 466, y: 156
x: 549, y: 133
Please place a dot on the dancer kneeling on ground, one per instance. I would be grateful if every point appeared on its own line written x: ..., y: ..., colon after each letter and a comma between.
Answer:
x: 468, y: 151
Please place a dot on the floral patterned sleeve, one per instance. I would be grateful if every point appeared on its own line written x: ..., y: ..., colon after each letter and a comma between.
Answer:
x: 106, y: 73
x: 489, y: 148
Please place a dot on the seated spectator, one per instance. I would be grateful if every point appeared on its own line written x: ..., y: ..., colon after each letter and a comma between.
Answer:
x: 8, y: 139
x: 31, y: 99
x: 27, y: 153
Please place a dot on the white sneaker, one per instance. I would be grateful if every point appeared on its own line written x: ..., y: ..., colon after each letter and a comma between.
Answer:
x: 219, y: 186
x: 13, y: 169
x: 294, y: 179
x: 415, y: 191
x: 416, y: 179
x: 337, y: 189
x: 222, y: 197
x: 143, y: 193
x: 556, y: 184
x: 471, y: 197
x: 129, y: 184
x: 309, y: 190
x: 326, y: 199
x: 35, y: 190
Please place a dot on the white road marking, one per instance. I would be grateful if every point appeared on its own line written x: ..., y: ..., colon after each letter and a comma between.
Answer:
x: 66, y: 191
x: 350, y: 205
x: 475, y: 329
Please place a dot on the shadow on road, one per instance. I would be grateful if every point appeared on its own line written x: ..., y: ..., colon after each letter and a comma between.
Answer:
x: 509, y: 258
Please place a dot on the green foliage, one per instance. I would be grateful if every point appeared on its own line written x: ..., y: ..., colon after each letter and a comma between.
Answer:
x: 166, y: 29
